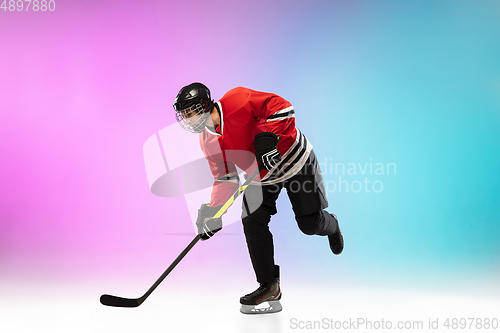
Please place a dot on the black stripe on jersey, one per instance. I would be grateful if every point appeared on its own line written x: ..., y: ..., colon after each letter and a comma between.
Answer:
x: 297, y: 158
x: 287, y: 168
x: 287, y: 161
x: 281, y: 115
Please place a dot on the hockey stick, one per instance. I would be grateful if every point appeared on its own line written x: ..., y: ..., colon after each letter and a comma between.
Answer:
x: 122, y: 302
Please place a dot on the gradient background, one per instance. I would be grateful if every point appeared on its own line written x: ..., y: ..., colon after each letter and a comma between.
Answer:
x: 415, y: 83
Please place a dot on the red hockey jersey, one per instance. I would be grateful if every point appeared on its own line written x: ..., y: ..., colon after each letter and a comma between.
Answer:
x: 243, y: 114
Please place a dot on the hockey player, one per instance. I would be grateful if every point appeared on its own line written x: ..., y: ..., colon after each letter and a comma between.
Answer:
x: 244, y: 126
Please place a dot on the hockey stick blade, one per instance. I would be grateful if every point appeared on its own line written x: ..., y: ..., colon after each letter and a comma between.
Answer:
x: 121, y: 302
x: 110, y: 300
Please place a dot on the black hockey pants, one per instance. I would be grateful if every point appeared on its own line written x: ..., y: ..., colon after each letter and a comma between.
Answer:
x: 306, y: 193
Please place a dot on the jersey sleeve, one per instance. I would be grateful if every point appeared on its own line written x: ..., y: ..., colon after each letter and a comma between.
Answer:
x: 226, y: 180
x: 274, y: 112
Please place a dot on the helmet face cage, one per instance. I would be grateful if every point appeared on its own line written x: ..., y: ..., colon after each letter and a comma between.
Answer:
x: 188, y: 104
x: 192, y: 118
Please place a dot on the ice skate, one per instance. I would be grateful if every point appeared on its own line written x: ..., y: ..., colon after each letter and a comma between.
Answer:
x: 336, y: 240
x: 265, y: 299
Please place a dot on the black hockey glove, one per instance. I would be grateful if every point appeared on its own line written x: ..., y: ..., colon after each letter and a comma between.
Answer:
x: 265, y: 150
x: 207, y: 226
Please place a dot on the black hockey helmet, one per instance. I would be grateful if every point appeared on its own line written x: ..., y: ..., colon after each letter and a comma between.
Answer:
x: 190, y: 95
x: 191, y: 103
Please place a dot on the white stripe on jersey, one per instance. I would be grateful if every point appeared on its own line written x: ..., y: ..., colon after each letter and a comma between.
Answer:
x: 281, y: 118
x: 290, y: 108
x: 294, y: 163
x: 282, y: 114
x: 221, y: 118
x: 212, y: 131
x: 229, y: 178
x: 277, y: 168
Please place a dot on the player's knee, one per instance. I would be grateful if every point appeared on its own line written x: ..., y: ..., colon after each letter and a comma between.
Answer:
x: 258, y: 219
x: 309, y: 224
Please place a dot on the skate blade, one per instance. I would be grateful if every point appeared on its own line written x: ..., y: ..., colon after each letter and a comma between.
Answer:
x: 262, y: 308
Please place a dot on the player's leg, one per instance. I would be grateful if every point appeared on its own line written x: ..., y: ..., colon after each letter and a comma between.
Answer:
x: 323, y: 223
x: 259, y: 204
x: 307, y: 195
x: 260, y: 243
